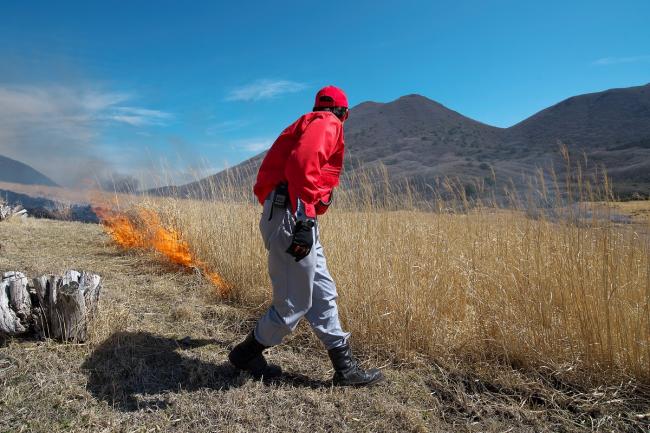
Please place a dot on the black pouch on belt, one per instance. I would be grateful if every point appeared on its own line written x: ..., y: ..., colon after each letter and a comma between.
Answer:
x: 280, y: 198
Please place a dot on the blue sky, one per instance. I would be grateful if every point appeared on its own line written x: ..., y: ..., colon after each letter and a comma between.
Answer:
x: 90, y: 88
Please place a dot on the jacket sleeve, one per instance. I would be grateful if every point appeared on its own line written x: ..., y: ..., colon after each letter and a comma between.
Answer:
x: 303, y: 169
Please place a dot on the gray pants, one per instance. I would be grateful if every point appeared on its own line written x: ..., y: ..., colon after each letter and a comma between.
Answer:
x: 303, y: 288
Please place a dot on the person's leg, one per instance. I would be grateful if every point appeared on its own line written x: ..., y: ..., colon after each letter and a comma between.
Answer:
x: 292, y: 286
x: 323, y: 316
x: 292, y: 282
x: 324, y: 320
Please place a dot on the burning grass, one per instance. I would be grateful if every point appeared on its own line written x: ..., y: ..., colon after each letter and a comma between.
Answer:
x: 141, y: 228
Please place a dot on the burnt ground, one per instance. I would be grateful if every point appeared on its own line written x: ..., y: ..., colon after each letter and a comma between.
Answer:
x: 157, y: 362
x: 41, y: 207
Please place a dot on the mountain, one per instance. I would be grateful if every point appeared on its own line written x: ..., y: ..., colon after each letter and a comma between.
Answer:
x: 594, y: 120
x: 17, y: 172
x: 416, y: 137
x: 423, y: 141
x: 612, y: 128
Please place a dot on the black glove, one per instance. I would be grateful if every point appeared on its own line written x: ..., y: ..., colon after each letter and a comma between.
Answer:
x: 303, y: 239
x: 322, y: 206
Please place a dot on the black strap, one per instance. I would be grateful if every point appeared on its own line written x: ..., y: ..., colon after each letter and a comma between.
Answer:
x: 280, y: 198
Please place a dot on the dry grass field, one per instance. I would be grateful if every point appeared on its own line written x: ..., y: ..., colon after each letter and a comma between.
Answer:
x: 566, y: 289
x: 156, y: 361
x: 638, y: 210
x: 484, y: 319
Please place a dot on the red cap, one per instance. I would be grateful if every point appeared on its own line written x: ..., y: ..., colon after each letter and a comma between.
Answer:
x: 331, y: 96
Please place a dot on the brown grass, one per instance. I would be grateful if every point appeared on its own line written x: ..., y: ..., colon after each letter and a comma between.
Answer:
x: 638, y: 210
x: 156, y: 362
x: 566, y: 290
x: 527, y: 318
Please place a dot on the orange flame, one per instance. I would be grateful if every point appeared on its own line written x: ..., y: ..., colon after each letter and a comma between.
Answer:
x: 144, y: 230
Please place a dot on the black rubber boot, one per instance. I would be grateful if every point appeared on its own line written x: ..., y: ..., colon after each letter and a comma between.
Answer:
x: 347, y: 370
x: 248, y: 356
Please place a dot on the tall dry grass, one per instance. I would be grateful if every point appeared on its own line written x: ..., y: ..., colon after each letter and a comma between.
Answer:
x: 535, y: 279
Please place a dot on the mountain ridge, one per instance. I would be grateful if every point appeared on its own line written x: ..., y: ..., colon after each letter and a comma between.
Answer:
x: 420, y: 139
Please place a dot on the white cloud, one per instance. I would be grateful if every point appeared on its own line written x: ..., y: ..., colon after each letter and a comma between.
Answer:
x: 56, y: 129
x: 139, y: 116
x: 226, y: 126
x: 618, y: 60
x: 97, y: 101
x: 253, y: 144
x: 264, y: 89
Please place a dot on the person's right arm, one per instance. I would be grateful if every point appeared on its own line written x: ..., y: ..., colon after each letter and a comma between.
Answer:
x: 303, y: 168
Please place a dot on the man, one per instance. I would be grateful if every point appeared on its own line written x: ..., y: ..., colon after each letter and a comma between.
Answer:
x: 295, y: 184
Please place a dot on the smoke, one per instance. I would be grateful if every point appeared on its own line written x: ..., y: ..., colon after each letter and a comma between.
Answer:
x: 58, y: 129
x: 122, y: 183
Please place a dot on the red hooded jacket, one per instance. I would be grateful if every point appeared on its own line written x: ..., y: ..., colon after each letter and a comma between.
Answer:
x: 308, y: 155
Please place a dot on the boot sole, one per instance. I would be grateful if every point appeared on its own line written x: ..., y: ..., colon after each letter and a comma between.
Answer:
x: 361, y: 385
x: 269, y: 372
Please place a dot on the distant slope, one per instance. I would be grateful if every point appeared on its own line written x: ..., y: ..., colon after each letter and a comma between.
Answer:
x: 612, y: 128
x: 241, y: 174
x: 18, y: 172
x: 594, y: 120
x: 417, y: 137
x: 421, y: 140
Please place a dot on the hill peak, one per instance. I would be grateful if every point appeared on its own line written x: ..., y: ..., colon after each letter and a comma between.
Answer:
x: 415, y: 98
x: 412, y: 99
x: 17, y: 172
